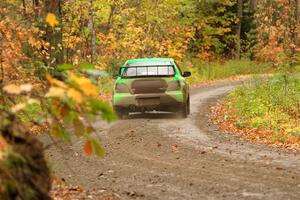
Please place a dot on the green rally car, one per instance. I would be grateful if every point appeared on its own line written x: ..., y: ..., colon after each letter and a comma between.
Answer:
x: 150, y: 84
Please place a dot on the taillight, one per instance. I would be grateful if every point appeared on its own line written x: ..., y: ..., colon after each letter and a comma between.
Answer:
x: 121, y: 88
x: 173, y: 85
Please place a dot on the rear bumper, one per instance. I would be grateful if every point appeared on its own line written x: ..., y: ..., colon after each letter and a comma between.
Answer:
x: 169, y: 101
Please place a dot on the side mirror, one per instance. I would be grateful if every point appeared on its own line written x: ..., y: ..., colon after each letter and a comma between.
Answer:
x: 186, y: 74
x: 115, y: 76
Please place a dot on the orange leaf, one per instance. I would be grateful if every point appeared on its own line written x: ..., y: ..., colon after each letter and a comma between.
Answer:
x: 88, y: 149
x: 56, y: 82
x: 3, y: 148
x: 3, y: 143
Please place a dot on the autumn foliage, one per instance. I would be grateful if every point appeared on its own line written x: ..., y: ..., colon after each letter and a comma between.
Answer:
x: 265, y: 111
x: 50, y: 48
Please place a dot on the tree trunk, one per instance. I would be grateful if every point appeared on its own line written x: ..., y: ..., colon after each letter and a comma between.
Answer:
x: 92, y: 33
x: 1, y: 74
x: 54, y: 34
x: 239, y: 29
x: 35, y: 5
x: 251, y: 5
x: 294, y: 34
x: 111, y: 15
x: 24, y: 7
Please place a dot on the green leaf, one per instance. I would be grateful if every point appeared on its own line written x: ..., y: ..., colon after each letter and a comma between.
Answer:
x: 240, y: 125
x: 86, y: 66
x: 71, y: 103
x: 70, y: 116
x: 99, y: 151
x: 96, y: 73
x: 14, y: 160
x: 79, y: 128
x: 2, y: 107
x: 60, y: 132
x: 90, y: 129
x: 65, y: 67
x: 105, y: 109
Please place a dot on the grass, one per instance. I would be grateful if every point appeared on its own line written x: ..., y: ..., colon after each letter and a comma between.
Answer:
x: 32, y: 112
x: 271, y: 104
x: 204, y: 71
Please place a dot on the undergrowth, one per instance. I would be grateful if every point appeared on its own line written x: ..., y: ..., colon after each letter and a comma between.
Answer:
x: 272, y: 104
x: 208, y: 71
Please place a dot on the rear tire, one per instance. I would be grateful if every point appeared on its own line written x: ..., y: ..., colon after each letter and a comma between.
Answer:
x: 121, y: 113
x: 183, y: 113
x: 185, y: 109
x: 189, y: 106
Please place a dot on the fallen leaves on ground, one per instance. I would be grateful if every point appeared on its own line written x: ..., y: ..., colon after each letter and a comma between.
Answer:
x: 158, y: 145
x: 63, y: 191
x: 174, y: 148
x: 229, y: 125
x: 37, y: 129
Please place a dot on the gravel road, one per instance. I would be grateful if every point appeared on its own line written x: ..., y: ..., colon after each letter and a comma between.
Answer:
x: 158, y: 156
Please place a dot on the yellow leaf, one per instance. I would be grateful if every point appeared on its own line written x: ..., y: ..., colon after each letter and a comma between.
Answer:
x: 87, y: 87
x: 55, y: 92
x: 12, y: 89
x: 26, y: 87
x: 76, y: 79
x: 18, y: 107
x: 51, y: 19
x: 75, y: 95
x: 33, y: 101
x: 55, y: 82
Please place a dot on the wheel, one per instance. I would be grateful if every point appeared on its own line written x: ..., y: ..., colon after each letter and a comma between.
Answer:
x: 121, y: 113
x: 185, y: 109
x: 183, y: 113
x: 189, y: 106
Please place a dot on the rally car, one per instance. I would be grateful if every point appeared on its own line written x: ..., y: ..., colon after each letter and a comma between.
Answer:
x: 151, y: 84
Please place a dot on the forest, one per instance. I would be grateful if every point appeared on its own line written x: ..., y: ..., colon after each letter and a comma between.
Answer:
x: 57, y: 58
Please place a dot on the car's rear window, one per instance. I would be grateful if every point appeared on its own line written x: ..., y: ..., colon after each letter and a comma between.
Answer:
x: 152, y: 70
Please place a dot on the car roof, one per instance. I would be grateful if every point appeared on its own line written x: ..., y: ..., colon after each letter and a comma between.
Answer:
x: 150, y: 61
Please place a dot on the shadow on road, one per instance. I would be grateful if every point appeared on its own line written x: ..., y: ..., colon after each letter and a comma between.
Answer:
x: 152, y: 115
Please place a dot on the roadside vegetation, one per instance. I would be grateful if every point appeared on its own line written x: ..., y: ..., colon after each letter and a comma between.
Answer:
x: 203, y: 71
x: 264, y: 109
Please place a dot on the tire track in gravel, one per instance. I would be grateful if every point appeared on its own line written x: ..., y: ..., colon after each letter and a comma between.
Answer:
x: 157, y: 156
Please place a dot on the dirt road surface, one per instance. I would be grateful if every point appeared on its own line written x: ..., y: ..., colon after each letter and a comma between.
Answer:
x: 157, y: 156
